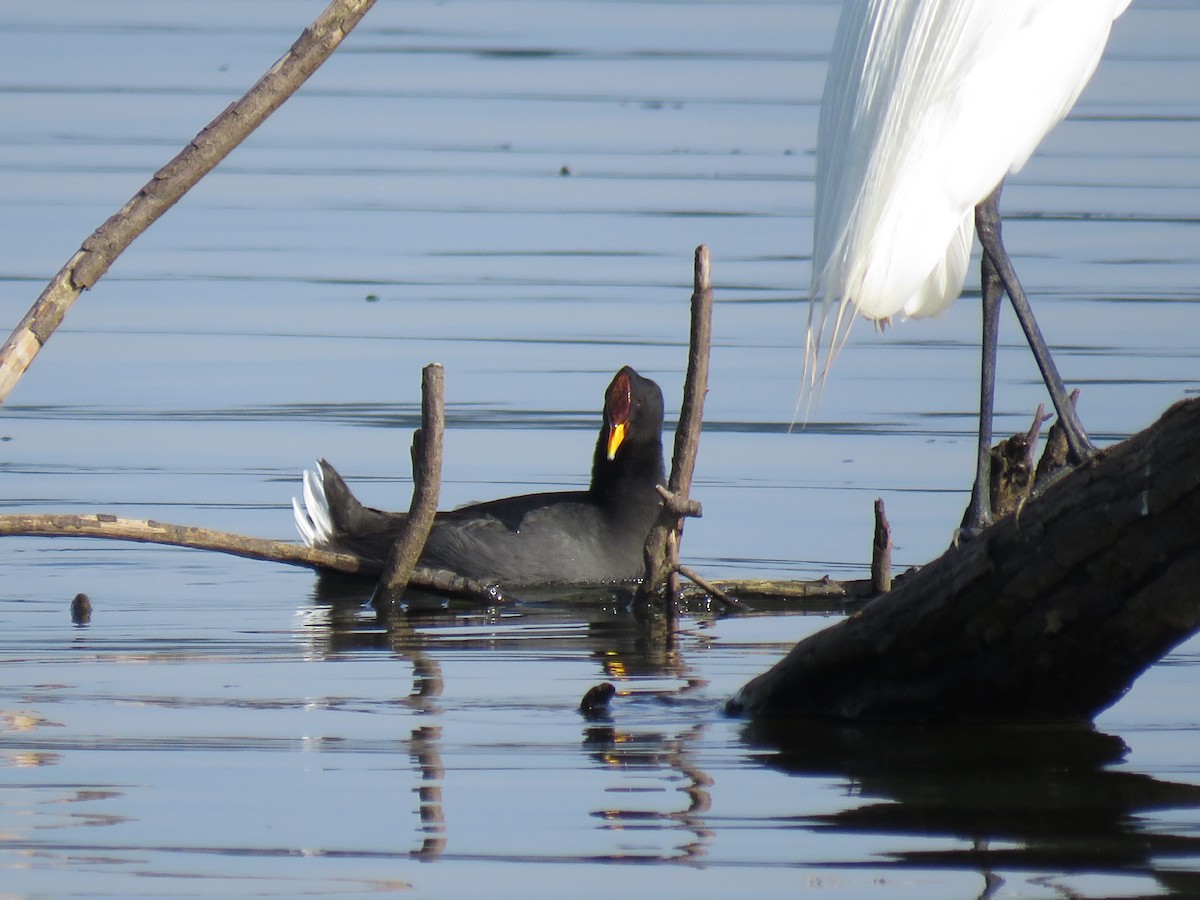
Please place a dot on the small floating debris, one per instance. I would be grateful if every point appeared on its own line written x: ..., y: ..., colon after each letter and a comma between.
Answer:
x: 595, y: 702
x: 81, y: 609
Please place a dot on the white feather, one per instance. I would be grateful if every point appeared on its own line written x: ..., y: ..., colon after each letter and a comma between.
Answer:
x: 928, y: 105
x: 304, y: 524
x: 313, y: 520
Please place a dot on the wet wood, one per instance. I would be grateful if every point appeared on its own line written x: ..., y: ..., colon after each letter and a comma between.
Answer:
x: 1051, y: 613
x: 152, y: 532
x: 662, y: 554
x: 740, y: 594
x: 1054, y: 457
x: 881, y: 551
x: 838, y: 593
x: 427, y: 484
x: 171, y: 182
x: 712, y: 590
x: 1011, y: 472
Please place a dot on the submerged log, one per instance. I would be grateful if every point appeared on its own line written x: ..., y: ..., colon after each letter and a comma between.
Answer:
x: 1051, y: 613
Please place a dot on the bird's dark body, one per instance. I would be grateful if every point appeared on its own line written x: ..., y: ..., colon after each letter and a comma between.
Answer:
x: 593, y: 536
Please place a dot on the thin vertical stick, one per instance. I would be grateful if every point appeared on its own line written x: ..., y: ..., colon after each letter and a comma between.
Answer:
x: 427, y: 484
x: 691, y: 414
x: 881, y: 551
x: 662, y: 554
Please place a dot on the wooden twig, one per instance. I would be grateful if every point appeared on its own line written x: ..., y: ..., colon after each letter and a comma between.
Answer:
x: 427, y: 483
x: 673, y: 582
x: 678, y: 505
x: 712, y: 590
x: 881, y: 551
x: 839, y: 594
x: 151, y: 532
x: 1040, y: 418
x: 171, y: 182
x: 687, y: 434
x: 1055, y: 456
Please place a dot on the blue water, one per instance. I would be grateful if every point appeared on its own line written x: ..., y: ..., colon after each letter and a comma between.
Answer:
x: 220, y: 728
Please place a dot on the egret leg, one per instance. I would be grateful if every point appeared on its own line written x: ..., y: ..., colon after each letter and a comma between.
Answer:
x: 987, y: 226
x: 979, y: 512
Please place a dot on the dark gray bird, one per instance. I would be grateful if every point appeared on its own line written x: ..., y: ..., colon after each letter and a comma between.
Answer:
x: 592, y: 536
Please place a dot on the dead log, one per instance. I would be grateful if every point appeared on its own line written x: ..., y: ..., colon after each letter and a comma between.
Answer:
x: 1051, y: 613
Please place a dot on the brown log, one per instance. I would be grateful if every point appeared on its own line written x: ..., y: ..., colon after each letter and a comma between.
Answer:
x: 427, y: 484
x: 171, y: 182
x: 1051, y: 613
x: 660, y: 564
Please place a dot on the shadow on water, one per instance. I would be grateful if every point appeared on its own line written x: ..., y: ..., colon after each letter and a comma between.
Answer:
x: 1028, y: 798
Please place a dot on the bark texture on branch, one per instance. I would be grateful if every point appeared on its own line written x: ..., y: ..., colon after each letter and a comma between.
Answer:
x: 151, y: 532
x: 427, y: 485
x: 171, y: 182
x: 662, y: 558
x: 881, y: 551
x: 1049, y: 614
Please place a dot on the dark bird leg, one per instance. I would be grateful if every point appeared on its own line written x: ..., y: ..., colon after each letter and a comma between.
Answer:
x: 979, y: 512
x: 987, y: 226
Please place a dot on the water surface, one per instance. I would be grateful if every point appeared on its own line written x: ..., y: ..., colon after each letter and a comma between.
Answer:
x: 515, y: 190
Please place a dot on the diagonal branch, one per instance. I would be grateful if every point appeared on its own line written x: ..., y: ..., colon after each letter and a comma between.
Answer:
x: 150, y: 532
x: 171, y: 182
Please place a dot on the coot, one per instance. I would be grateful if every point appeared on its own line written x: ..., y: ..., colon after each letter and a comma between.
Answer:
x: 570, y: 537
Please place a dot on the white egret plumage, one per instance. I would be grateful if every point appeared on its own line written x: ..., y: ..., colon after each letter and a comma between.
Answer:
x: 928, y: 106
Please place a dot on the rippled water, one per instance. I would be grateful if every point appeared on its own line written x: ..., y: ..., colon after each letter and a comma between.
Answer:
x: 515, y: 190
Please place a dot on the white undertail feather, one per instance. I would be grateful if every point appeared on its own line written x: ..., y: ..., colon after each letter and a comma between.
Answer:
x: 312, y: 519
x: 928, y: 105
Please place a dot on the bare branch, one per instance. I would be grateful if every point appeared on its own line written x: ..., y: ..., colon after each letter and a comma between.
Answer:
x: 881, y: 551
x: 659, y: 567
x: 151, y: 532
x: 712, y: 590
x: 427, y: 483
x: 171, y: 182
